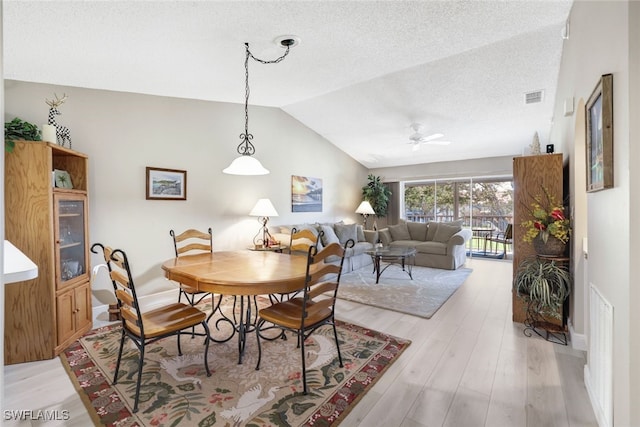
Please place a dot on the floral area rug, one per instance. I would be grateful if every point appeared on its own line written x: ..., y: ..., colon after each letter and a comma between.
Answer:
x: 176, y: 391
x: 421, y: 296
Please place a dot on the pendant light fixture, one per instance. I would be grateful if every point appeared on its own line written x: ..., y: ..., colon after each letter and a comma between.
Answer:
x: 246, y: 164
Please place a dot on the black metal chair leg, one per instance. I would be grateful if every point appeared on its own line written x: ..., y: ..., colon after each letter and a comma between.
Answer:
x: 206, y: 348
x: 140, y: 364
x: 115, y: 375
x: 304, y: 365
x: 335, y: 334
x: 258, y: 326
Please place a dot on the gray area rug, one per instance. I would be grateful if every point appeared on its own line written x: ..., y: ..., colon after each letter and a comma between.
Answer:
x: 422, y: 296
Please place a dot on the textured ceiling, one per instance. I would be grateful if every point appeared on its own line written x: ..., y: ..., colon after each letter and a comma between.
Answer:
x: 362, y: 74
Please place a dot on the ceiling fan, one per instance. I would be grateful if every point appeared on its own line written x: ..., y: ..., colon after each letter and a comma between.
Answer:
x: 418, y: 137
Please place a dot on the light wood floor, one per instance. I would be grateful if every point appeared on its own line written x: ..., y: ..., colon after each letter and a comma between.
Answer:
x: 469, y: 365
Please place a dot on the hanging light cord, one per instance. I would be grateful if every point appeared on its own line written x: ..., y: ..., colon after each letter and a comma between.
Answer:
x: 246, y: 148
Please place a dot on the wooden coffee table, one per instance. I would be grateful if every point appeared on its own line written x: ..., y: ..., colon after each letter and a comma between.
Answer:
x: 406, y: 257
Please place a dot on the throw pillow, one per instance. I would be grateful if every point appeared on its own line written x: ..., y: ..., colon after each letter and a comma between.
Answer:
x: 360, y: 232
x: 385, y: 236
x: 346, y: 232
x: 432, y: 227
x: 445, y: 232
x: 400, y: 232
x: 328, y: 235
x: 417, y: 230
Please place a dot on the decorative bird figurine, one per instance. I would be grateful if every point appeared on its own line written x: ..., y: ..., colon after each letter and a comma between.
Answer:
x: 248, y: 404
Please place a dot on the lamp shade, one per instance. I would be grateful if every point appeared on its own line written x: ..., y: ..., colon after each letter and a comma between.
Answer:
x: 246, y: 165
x: 263, y: 207
x: 365, y: 209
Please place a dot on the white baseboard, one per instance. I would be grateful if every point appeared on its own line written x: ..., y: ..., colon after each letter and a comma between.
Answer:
x: 578, y: 341
x: 100, y: 314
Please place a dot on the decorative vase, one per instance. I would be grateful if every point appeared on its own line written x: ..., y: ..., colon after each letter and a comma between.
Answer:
x: 552, y: 247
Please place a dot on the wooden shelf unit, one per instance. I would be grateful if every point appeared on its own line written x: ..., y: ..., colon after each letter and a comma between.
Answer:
x: 45, y: 315
x: 530, y: 175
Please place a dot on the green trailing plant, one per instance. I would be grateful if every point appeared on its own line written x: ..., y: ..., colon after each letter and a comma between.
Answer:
x: 544, y: 285
x: 377, y: 194
x: 17, y: 130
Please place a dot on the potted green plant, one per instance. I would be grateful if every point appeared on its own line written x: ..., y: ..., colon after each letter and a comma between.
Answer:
x: 544, y: 285
x: 377, y: 194
x: 18, y: 129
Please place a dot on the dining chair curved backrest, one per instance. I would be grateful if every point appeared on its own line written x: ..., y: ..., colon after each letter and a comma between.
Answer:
x: 146, y: 327
x: 303, y: 315
x: 302, y: 240
x: 190, y: 242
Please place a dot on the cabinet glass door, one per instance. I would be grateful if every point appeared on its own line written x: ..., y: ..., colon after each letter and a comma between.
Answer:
x: 71, y: 253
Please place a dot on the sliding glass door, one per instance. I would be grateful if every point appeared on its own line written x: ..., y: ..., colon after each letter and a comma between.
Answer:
x: 484, y: 204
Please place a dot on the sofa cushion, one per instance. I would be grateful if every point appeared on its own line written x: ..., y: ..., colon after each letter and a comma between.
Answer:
x: 360, y: 233
x: 445, y: 232
x: 434, y: 248
x: 385, y: 236
x: 400, y: 231
x: 417, y: 230
x: 432, y: 227
x: 328, y: 235
x: 346, y: 232
x: 405, y: 243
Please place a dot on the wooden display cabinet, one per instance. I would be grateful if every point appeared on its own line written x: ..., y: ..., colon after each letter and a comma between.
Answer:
x: 49, y: 224
x: 530, y: 174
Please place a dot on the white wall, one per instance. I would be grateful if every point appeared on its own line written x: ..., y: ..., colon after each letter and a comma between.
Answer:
x: 600, y: 43
x: 490, y: 166
x: 122, y: 133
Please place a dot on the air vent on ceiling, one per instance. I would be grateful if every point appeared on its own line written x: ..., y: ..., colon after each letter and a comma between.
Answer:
x: 533, y: 97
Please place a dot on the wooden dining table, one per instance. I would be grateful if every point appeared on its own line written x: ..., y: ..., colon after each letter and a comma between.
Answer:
x: 243, y: 274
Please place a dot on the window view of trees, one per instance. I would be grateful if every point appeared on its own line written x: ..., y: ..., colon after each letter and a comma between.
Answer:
x: 481, y: 203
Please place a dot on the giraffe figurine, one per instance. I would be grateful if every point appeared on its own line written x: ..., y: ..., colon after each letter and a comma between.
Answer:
x: 62, y: 132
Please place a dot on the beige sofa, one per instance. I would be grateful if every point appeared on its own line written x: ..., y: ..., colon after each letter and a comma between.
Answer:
x: 438, y: 244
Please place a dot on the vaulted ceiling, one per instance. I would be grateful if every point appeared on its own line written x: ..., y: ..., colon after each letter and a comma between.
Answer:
x: 363, y: 72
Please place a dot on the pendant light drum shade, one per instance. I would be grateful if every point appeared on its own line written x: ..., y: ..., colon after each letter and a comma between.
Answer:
x: 246, y: 165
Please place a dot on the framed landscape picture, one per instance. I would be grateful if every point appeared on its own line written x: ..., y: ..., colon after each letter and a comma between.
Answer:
x: 166, y: 184
x: 599, y: 147
x: 306, y: 194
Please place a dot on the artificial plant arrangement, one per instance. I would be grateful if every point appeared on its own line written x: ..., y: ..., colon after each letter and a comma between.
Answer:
x: 548, y: 219
x: 377, y: 194
x: 18, y: 129
x: 544, y: 285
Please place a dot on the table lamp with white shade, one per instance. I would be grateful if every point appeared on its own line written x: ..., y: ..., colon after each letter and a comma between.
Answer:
x: 365, y: 209
x: 263, y: 210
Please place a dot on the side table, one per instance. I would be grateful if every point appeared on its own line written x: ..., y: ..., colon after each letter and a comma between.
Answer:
x: 275, y: 248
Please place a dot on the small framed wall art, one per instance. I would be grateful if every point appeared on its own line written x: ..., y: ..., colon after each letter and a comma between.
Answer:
x: 599, y: 147
x: 166, y: 184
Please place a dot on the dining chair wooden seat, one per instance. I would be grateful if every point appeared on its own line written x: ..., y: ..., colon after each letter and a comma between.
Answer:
x: 147, y: 327
x: 304, y: 315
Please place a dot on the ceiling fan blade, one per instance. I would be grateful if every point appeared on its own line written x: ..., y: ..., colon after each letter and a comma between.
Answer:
x: 431, y: 137
x: 437, y: 142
